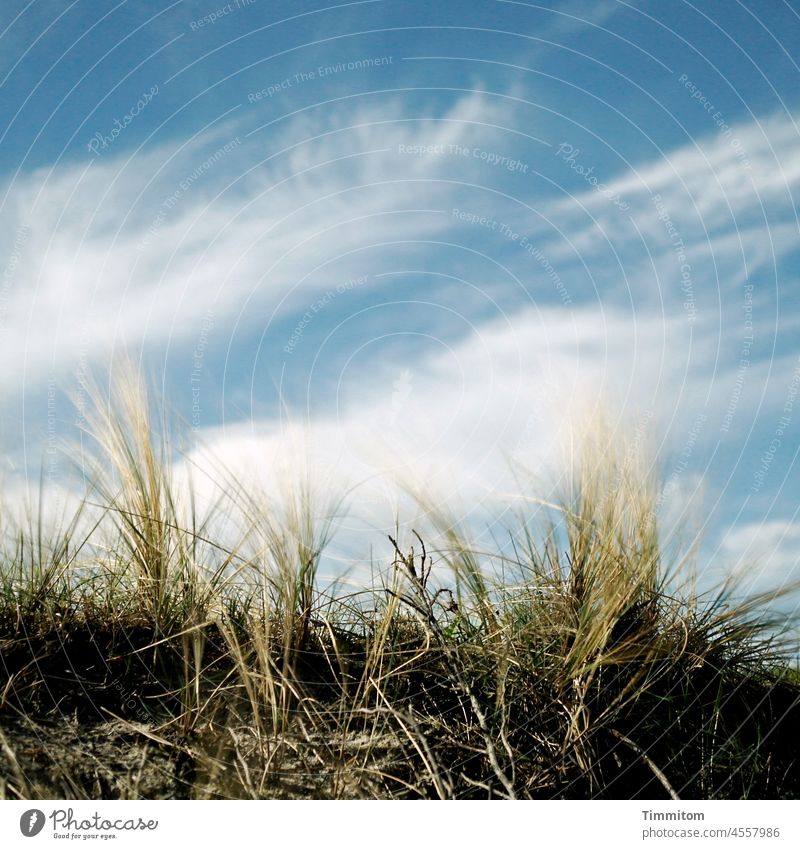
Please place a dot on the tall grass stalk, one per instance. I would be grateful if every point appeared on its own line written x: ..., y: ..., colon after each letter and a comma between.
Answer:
x: 572, y: 662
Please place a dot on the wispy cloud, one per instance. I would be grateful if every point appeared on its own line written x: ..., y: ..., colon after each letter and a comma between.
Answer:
x: 132, y: 250
x: 137, y: 251
x: 762, y: 554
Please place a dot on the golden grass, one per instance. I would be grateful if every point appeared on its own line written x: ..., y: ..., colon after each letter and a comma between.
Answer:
x: 581, y: 667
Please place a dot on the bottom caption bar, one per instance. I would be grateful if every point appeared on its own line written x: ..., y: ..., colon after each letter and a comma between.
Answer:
x: 352, y: 825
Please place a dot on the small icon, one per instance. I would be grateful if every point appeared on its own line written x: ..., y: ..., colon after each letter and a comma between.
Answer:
x: 31, y: 822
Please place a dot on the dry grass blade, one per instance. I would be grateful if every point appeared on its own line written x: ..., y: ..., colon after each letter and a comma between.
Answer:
x: 200, y: 655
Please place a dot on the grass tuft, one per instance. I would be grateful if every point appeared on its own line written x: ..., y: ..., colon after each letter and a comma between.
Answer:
x: 150, y: 652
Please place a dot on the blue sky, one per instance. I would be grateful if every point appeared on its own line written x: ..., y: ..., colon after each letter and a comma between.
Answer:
x: 417, y: 239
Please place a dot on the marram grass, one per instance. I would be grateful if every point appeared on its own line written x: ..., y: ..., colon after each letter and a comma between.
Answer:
x: 147, y: 654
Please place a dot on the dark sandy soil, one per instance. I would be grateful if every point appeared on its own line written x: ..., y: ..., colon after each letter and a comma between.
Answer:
x: 119, y: 759
x: 96, y: 713
x: 84, y: 715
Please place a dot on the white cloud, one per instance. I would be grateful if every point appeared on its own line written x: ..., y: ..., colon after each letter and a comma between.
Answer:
x: 256, y: 237
x: 99, y: 266
x: 764, y: 555
x: 457, y: 427
x: 119, y: 252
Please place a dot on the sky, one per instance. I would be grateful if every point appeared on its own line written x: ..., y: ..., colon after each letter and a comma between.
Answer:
x: 387, y: 240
